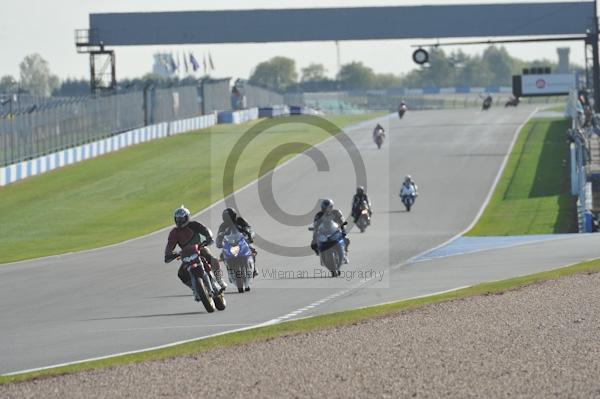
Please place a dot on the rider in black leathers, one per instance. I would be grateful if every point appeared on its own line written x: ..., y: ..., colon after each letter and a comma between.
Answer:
x: 357, y: 200
x: 378, y: 130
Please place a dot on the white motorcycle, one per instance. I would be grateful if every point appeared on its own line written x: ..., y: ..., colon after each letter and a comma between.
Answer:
x: 331, y: 245
x: 408, y: 194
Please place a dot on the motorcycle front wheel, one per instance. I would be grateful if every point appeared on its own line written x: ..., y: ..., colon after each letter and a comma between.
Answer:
x: 362, y: 224
x: 219, y: 301
x: 205, y: 298
x: 330, y: 262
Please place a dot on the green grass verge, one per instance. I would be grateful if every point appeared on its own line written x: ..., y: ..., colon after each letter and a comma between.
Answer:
x: 533, y: 194
x: 560, y: 108
x: 134, y: 191
x: 333, y: 320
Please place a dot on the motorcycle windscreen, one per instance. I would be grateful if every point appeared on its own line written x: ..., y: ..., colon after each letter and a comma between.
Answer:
x: 326, y: 229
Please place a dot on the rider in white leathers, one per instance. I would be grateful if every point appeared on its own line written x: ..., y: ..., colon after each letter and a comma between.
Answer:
x: 408, y: 187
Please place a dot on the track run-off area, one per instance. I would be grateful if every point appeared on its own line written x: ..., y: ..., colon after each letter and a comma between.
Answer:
x: 123, y: 298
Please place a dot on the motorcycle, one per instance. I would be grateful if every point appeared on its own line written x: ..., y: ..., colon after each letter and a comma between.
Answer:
x: 204, y: 284
x: 331, y: 246
x: 512, y: 102
x: 408, y: 196
x: 364, y: 219
x: 378, y: 137
x: 402, y: 110
x: 239, y: 260
x: 487, y: 103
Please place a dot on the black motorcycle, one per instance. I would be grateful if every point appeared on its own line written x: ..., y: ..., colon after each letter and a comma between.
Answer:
x: 364, y: 217
x: 487, y: 103
x: 512, y: 102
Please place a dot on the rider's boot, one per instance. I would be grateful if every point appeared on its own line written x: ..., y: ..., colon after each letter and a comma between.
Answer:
x: 219, y: 278
x: 347, y: 241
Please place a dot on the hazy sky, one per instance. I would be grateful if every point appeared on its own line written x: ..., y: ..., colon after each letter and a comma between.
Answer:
x: 47, y: 27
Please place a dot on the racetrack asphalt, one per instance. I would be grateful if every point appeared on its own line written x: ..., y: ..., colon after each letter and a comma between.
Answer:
x: 123, y: 298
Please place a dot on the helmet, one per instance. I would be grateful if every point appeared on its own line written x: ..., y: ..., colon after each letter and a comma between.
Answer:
x: 181, y: 216
x: 408, y: 178
x: 360, y: 190
x: 229, y: 216
x: 327, y: 205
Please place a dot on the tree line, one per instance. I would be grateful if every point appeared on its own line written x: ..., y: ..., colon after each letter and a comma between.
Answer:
x: 494, y: 67
x: 35, y: 78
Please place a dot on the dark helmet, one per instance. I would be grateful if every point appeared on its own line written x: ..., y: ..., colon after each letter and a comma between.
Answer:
x: 327, y: 205
x: 181, y: 216
x: 360, y: 190
x: 229, y: 216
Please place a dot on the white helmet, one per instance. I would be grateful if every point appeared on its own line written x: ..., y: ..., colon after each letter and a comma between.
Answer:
x: 181, y: 216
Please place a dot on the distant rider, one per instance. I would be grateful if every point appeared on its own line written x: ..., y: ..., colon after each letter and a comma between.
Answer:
x: 487, y: 101
x: 335, y: 214
x: 189, y: 232
x: 377, y: 131
x: 402, y: 108
x: 360, y: 197
x: 410, y: 185
x: 232, y: 220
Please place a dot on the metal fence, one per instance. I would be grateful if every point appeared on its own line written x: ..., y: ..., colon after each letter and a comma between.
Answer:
x: 222, y: 95
x: 18, y: 103
x: 581, y: 135
x: 388, y: 100
x: 259, y: 97
x: 216, y: 95
x: 40, y: 128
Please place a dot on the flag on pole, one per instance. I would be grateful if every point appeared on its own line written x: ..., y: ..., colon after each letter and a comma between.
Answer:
x: 210, y: 62
x: 173, y: 64
x: 194, y: 62
x: 164, y: 62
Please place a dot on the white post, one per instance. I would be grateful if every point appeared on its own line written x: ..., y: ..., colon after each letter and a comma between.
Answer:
x: 574, y: 176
